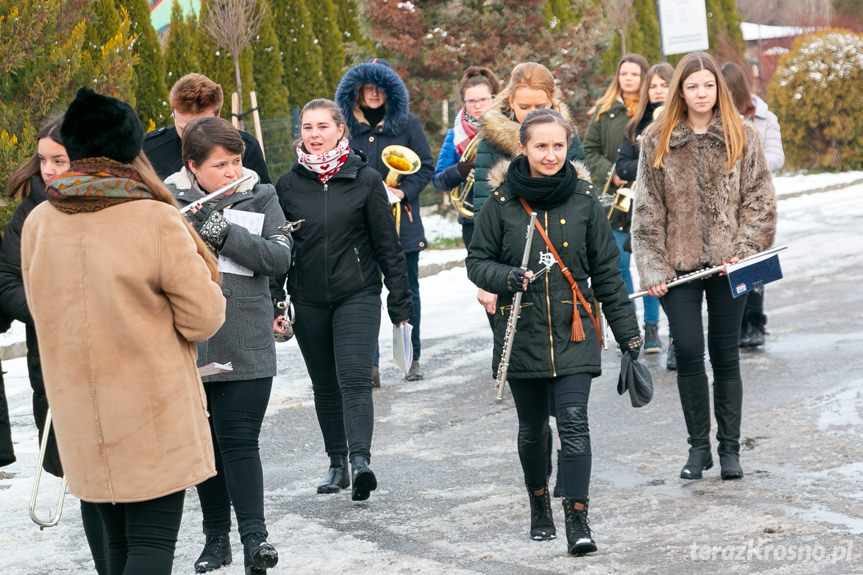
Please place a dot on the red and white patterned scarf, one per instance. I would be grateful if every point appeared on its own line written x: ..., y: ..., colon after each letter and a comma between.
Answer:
x: 327, y: 164
x: 463, y: 131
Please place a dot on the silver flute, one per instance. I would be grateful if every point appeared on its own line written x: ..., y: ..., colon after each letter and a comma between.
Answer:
x: 707, y: 272
x: 508, y: 338
x: 216, y: 194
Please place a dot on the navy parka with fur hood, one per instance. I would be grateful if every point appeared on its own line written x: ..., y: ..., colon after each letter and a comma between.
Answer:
x: 399, y: 127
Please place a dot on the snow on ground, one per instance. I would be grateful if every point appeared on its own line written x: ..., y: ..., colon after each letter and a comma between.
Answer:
x: 449, y: 307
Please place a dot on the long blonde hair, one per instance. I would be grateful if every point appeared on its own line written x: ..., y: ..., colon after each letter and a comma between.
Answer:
x: 160, y: 193
x: 676, y: 110
x: 613, y: 92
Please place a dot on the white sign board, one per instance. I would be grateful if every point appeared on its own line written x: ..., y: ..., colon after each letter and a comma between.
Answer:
x: 684, y: 26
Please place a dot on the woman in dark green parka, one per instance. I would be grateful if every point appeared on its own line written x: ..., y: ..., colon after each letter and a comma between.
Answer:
x: 551, y: 356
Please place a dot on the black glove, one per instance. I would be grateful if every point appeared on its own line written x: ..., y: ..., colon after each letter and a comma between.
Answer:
x: 464, y: 169
x: 515, y: 280
x: 632, y: 346
x: 211, y: 226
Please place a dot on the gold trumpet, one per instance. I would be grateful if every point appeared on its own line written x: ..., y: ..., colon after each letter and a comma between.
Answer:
x: 400, y: 161
x: 458, y: 196
x: 43, y: 523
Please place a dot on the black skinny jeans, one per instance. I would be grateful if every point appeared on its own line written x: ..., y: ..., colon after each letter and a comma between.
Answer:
x: 141, y: 536
x: 569, y: 395
x: 237, y: 411
x: 337, y: 344
x: 682, y: 305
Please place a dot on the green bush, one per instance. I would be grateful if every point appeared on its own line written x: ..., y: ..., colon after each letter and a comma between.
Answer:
x: 817, y: 93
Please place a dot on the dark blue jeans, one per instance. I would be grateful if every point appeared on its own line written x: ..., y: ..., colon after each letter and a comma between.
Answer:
x: 337, y: 344
x: 569, y: 395
x: 237, y: 411
x: 141, y: 536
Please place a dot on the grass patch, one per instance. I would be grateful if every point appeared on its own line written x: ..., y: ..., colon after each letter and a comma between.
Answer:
x: 446, y: 244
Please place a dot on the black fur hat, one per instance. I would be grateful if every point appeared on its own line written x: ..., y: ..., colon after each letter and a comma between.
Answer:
x: 97, y: 126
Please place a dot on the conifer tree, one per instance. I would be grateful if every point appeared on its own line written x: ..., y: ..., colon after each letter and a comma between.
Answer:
x: 326, y: 26
x: 300, y: 51
x: 181, y: 53
x: 150, y: 92
x: 723, y: 29
x: 349, y: 23
x: 268, y: 69
x: 642, y: 37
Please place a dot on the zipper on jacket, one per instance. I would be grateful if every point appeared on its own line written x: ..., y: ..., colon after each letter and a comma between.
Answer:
x: 359, y: 263
x: 326, y: 243
x: 548, y: 312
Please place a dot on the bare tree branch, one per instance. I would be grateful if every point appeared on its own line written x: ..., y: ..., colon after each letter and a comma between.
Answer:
x: 232, y: 24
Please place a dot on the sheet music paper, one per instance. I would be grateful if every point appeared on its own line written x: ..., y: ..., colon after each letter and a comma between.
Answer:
x: 252, y: 221
x: 213, y: 368
x: 403, y: 350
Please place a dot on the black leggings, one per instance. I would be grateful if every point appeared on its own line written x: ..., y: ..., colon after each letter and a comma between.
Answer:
x: 141, y: 536
x: 682, y: 305
x: 237, y: 411
x: 570, y: 396
x: 337, y: 344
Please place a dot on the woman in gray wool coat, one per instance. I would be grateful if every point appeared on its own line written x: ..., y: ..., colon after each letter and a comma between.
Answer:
x: 237, y: 400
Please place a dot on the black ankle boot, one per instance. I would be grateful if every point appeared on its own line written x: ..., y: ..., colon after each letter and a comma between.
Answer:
x: 578, y: 538
x: 258, y: 554
x: 729, y: 465
x: 541, y: 521
x: 363, y: 479
x: 337, y: 477
x: 216, y: 553
x: 699, y: 460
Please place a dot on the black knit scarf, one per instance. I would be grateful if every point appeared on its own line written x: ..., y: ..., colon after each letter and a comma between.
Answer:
x: 541, y: 193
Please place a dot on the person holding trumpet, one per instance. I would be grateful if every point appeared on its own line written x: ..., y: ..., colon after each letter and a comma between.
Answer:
x: 557, y: 351
x: 375, y: 104
x: 347, y: 238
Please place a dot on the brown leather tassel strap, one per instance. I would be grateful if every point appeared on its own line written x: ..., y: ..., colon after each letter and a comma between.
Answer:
x: 577, y: 333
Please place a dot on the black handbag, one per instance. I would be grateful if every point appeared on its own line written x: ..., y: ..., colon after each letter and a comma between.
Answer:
x: 635, y: 377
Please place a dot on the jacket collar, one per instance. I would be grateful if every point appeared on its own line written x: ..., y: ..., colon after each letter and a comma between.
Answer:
x: 683, y: 133
x: 499, y: 128
x: 182, y: 181
x: 398, y: 101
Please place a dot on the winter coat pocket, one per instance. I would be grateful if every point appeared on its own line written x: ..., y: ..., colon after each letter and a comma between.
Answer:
x: 253, y: 322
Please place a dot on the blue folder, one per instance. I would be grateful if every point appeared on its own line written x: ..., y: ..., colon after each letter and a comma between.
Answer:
x: 748, y: 275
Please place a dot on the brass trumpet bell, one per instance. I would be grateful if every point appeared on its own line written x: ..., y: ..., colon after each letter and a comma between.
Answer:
x: 400, y: 161
x: 458, y: 196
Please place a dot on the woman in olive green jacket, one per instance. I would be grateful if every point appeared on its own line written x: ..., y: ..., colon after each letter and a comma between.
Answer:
x: 556, y: 352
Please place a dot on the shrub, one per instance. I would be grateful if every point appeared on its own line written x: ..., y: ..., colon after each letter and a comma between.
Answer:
x: 817, y: 93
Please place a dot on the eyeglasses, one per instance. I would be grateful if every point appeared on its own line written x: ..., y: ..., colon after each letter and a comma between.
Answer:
x: 476, y: 101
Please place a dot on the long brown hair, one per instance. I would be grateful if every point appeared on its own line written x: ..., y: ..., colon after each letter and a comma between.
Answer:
x: 664, y: 71
x: 676, y: 110
x: 19, y: 181
x: 613, y: 92
x: 738, y: 85
x: 141, y: 164
x: 535, y: 76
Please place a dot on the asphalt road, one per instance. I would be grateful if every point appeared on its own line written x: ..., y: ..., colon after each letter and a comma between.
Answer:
x: 451, y: 498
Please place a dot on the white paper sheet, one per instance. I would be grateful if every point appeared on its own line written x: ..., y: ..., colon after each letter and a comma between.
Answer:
x: 252, y: 221
x: 213, y: 368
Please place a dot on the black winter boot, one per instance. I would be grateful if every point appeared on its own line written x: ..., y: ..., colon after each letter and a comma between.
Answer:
x: 695, y: 400
x: 578, y: 538
x: 671, y: 357
x: 362, y: 478
x: 727, y: 406
x: 541, y: 520
x: 216, y: 553
x: 258, y: 554
x: 337, y: 477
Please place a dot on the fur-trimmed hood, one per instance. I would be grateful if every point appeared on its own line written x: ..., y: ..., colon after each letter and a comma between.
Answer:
x: 380, y: 74
x: 497, y: 174
x: 499, y: 128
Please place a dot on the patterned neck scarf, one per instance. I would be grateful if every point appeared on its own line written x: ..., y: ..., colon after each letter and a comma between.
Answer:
x: 95, y: 184
x: 327, y: 164
x: 464, y: 129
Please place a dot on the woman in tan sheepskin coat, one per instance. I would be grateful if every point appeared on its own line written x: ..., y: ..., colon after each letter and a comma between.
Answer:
x: 704, y: 197
x: 119, y: 288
